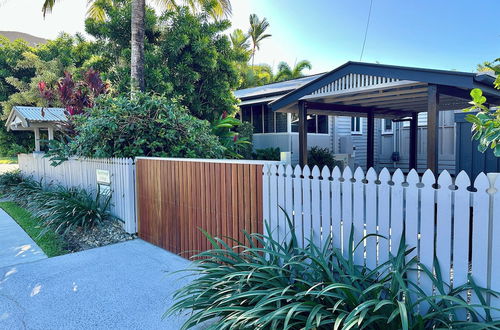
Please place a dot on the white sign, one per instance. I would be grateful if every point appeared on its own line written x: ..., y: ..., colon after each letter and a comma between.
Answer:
x: 103, y: 177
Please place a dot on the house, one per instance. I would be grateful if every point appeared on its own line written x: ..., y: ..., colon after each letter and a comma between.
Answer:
x: 377, y: 114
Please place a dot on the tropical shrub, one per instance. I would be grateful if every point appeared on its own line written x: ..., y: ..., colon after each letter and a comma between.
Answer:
x: 145, y: 125
x: 58, y: 208
x: 321, y: 157
x: 267, y: 154
x: 225, y: 128
x: 63, y: 210
x: 267, y: 284
x: 245, y: 131
x: 10, y: 180
x: 486, y: 122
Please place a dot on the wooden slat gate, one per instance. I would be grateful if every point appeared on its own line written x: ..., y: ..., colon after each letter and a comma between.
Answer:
x: 177, y: 197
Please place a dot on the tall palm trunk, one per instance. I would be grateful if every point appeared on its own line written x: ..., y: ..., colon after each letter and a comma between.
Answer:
x: 137, y: 45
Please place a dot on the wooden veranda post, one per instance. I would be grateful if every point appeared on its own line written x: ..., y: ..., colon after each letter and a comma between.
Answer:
x: 432, y: 128
x: 302, y: 133
x: 370, y: 140
x: 413, y: 140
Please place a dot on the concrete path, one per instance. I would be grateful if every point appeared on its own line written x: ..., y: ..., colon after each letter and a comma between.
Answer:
x: 15, y: 245
x: 122, y: 286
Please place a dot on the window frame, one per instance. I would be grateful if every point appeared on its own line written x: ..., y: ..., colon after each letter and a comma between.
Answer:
x: 316, y: 124
x: 384, y: 129
x: 360, y: 131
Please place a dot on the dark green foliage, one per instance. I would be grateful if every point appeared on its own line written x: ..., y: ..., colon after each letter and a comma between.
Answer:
x: 225, y: 128
x: 58, y: 209
x: 321, y: 157
x: 278, y: 285
x: 146, y: 125
x: 245, y: 131
x: 62, y: 210
x: 9, y: 181
x: 267, y: 154
x: 200, y: 63
x: 187, y: 57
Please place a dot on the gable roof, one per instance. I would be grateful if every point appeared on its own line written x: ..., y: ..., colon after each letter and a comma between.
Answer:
x: 25, y: 116
x: 461, y: 82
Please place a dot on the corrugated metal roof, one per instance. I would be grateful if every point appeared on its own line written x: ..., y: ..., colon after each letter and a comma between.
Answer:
x: 259, y: 100
x: 40, y: 114
x: 276, y: 88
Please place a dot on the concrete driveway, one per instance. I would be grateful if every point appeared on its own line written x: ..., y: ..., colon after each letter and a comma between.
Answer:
x: 121, y: 286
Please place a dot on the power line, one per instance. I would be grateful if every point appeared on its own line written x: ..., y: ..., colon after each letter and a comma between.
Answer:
x: 366, y: 30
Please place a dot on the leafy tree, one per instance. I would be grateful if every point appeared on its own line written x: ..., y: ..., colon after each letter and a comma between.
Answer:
x: 486, y: 123
x: 97, y: 11
x: 285, y: 72
x: 197, y: 61
x: 146, y: 125
x: 187, y: 57
x: 257, y: 75
x: 257, y: 33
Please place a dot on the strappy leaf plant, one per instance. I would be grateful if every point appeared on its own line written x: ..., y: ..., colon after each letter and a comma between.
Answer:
x: 267, y: 284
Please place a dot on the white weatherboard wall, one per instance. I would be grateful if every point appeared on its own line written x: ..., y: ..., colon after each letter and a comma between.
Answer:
x: 82, y: 173
x: 323, y: 204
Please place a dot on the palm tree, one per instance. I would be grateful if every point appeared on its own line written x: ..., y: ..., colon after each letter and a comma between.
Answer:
x: 216, y: 8
x: 285, y: 72
x: 241, y: 46
x: 257, y: 33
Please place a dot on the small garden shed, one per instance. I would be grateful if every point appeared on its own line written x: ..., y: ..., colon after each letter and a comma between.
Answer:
x: 36, y: 119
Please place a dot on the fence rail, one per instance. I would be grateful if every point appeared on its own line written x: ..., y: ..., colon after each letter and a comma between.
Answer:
x: 82, y: 172
x: 457, y: 224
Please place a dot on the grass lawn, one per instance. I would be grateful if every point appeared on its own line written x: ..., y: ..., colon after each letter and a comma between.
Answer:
x: 50, y: 243
x: 8, y: 160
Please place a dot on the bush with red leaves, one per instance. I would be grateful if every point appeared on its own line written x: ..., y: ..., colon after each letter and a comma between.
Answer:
x: 75, y: 96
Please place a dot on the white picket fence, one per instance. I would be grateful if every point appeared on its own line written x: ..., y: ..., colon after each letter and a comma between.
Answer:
x: 82, y: 173
x: 436, y: 219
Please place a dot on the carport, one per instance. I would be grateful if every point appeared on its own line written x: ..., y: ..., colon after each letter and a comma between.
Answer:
x: 397, y: 93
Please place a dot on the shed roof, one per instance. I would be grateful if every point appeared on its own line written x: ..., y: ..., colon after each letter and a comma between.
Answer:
x: 274, y: 89
x: 25, y: 116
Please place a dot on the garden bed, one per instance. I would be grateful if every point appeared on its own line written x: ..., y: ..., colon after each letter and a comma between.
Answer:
x: 60, y: 219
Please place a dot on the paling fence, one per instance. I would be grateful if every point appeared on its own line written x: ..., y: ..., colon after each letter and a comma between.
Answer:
x: 455, y: 220
x: 82, y: 173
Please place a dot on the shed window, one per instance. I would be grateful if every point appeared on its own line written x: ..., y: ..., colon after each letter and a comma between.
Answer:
x: 356, y: 125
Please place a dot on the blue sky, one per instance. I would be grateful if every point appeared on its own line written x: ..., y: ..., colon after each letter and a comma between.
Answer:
x: 443, y: 34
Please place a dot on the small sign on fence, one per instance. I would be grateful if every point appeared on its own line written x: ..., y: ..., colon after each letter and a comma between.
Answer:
x: 103, y: 177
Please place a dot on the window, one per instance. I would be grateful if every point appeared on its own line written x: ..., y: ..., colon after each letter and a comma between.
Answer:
x: 356, y: 125
x: 257, y: 119
x: 281, y: 122
x: 386, y: 126
x: 268, y: 121
x: 264, y: 120
x: 316, y: 124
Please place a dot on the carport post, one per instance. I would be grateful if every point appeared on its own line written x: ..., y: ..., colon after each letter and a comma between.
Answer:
x: 370, y: 140
x: 432, y: 128
x: 413, y: 140
x: 302, y: 133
